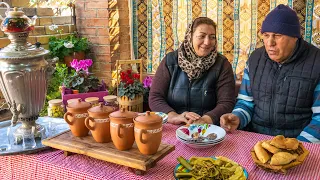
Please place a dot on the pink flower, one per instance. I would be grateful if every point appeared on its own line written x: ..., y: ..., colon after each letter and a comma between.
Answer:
x: 88, y: 62
x: 147, y: 82
x: 83, y: 65
x: 75, y: 65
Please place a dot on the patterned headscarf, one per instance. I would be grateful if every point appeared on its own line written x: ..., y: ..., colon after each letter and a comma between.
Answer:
x: 189, y: 61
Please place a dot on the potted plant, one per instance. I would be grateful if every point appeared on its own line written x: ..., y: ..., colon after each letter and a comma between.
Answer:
x: 82, y: 80
x: 61, y: 72
x: 68, y: 48
x: 130, y: 91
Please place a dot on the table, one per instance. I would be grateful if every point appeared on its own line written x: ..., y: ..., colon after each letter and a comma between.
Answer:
x: 52, y: 164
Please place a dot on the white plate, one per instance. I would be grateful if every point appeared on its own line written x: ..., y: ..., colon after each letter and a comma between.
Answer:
x: 164, y: 116
x: 198, y: 145
x: 185, y: 132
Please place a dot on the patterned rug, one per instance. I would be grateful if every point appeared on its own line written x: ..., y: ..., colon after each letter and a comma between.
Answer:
x: 158, y: 26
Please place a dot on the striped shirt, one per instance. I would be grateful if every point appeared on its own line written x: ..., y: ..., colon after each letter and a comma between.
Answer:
x: 245, y: 106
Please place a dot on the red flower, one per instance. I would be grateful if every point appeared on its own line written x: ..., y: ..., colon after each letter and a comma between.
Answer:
x: 129, y: 71
x: 130, y: 81
x: 136, y: 76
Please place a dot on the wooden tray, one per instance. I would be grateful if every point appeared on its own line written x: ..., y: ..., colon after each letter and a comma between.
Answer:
x: 107, y: 152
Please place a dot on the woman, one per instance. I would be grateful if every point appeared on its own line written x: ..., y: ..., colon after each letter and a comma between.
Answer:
x: 194, y: 84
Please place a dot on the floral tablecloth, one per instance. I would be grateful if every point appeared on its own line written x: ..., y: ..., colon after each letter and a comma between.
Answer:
x: 52, y: 164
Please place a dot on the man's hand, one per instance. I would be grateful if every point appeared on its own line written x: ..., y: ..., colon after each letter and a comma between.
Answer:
x: 229, y: 122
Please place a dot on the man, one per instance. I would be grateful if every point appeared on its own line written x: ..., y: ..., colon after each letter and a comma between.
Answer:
x: 280, y: 90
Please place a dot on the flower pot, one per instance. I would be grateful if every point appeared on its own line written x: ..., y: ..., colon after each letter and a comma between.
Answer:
x: 135, y: 105
x: 75, y: 55
x: 75, y: 91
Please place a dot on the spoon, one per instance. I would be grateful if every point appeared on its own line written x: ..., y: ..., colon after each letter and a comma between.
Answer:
x: 195, y: 137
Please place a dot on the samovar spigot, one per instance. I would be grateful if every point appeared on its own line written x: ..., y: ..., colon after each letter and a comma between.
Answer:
x: 15, y: 110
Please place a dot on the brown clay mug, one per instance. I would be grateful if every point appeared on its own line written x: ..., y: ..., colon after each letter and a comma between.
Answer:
x: 75, y: 116
x: 121, y: 128
x: 148, y: 132
x: 98, y: 123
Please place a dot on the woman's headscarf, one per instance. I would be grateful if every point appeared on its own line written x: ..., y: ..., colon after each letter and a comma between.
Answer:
x: 189, y: 61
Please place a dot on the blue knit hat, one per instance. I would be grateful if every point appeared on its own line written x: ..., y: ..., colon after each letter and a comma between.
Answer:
x: 282, y: 20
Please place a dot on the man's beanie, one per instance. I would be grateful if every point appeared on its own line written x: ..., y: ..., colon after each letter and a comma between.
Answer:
x: 282, y: 20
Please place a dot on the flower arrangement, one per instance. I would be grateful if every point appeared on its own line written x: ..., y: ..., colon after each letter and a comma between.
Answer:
x: 82, y: 79
x: 61, y: 47
x: 130, y: 85
x: 147, y: 82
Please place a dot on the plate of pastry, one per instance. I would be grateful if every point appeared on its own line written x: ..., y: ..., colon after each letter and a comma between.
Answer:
x: 279, y: 154
x: 209, y: 168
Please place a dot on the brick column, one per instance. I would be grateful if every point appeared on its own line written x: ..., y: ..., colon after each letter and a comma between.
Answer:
x: 106, y: 25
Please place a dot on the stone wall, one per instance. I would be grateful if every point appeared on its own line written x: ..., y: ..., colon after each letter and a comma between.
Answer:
x: 106, y: 25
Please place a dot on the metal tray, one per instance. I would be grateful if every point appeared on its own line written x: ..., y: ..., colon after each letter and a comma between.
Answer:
x: 58, y: 126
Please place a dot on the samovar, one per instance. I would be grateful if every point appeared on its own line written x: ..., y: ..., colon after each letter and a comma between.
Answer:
x: 23, y: 72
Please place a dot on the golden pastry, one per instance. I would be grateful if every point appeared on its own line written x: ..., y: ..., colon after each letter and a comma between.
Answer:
x: 291, y: 143
x: 279, y: 141
x: 266, y: 145
x: 261, y: 154
x: 282, y: 158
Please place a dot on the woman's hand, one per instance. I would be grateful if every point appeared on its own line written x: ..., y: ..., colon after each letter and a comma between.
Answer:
x: 175, y: 118
x: 185, y: 117
x: 205, y: 119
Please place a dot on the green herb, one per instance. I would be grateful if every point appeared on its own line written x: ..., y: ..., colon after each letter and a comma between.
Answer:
x: 53, y: 92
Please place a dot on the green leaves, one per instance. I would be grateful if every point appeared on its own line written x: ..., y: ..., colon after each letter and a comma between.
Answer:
x: 53, y: 85
x: 82, y: 81
x: 130, y: 90
x: 58, y: 49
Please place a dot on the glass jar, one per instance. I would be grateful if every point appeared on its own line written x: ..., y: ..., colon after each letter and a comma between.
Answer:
x: 94, y: 101
x: 111, y: 100
x: 56, y: 108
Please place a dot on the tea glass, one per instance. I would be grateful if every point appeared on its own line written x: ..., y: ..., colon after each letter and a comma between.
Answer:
x: 6, y: 142
x: 28, y: 141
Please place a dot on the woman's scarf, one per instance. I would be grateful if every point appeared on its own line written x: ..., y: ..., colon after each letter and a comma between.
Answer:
x: 192, y: 64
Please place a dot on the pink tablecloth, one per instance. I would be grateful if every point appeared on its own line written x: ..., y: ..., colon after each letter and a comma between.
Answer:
x: 52, y: 164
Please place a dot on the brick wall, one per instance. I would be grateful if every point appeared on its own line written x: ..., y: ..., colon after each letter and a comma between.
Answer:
x: 106, y: 25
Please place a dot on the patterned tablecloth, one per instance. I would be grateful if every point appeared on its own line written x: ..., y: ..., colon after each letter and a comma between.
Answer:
x: 52, y: 164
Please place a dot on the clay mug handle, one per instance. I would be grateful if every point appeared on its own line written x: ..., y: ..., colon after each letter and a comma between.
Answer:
x: 118, y: 131
x: 66, y: 117
x: 86, y: 121
x: 142, y: 131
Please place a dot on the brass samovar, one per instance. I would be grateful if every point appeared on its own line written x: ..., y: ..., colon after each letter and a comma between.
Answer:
x: 23, y: 72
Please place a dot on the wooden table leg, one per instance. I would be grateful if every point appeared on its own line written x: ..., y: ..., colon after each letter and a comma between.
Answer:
x: 137, y: 171
x: 67, y: 153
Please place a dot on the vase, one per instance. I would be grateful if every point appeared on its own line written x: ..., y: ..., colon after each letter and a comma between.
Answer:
x: 135, y: 105
x: 75, y: 55
x: 75, y: 91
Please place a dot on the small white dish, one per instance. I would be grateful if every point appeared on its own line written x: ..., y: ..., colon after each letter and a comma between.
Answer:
x: 204, y: 130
